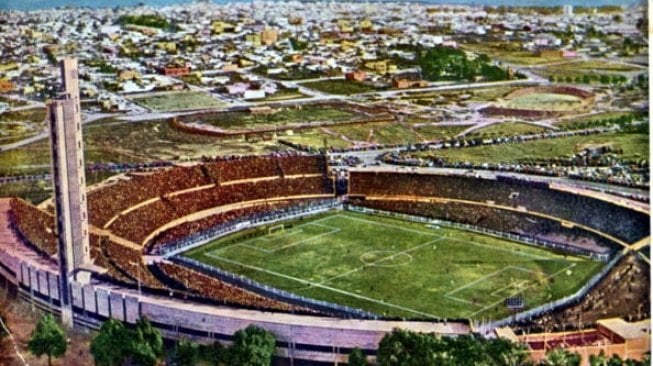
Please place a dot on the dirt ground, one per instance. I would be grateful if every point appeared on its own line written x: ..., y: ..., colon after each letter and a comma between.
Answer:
x: 21, y: 319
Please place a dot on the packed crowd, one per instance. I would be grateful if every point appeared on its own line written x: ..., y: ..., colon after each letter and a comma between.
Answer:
x: 218, y: 290
x: 618, y: 221
x: 231, y: 168
x: 106, y: 202
x: 138, y: 224
x: 188, y: 228
x: 624, y: 292
x: 35, y: 226
x: 128, y: 262
x: 504, y: 221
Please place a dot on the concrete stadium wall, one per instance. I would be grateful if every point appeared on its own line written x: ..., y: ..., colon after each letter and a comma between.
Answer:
x: 312, y: 338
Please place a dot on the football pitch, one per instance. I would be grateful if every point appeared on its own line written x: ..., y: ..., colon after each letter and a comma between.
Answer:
x: 398, y: 268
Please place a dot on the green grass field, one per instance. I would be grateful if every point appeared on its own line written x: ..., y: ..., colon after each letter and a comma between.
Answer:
x: 508, y: 129
x: 545, y: 102
x: 19, y: 125
x: 282, y: 116
x: 398, y: 268
x: 634, y: 146
x: 342, y: 87
x: 178, y: 101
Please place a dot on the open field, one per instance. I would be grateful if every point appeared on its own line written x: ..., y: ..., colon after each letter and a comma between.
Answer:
x: 386, y: 133
x: 595, y: 120
x: 634, y: 146
x: 508, y: 129
x: 589, y: 67
x: 508, y: 52
x: 398, y: 268
x: 544, y: 102
x: 317, y: 139
x: 176, y: 101
x: 471, y: 95
x: 130, y: 142
x: 342, y: 87
x: 19, y: 125
x: 284, y: 94
x: 283, y: 116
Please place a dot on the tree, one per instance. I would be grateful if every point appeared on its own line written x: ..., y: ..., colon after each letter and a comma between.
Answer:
x: 111, y: 346
x: 187, y: 353
x: 253, y: 346
x: 147, y: 346
x: 506, y: 353
x: 48, y: 339
x: 401, y: 347
x: 356, y: 358
x: 599, y: 360
x: 214, y: 354
x: 561, y: 357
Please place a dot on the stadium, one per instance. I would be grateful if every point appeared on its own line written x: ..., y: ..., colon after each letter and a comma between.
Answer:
x: 542, y: 102
x: 331, y: 260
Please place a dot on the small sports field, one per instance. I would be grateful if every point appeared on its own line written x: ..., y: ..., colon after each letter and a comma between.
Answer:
x: 398, y: 268
x: 545, y: 102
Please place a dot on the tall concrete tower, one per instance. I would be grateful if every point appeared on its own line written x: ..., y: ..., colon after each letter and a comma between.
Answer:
x: 67, y: 147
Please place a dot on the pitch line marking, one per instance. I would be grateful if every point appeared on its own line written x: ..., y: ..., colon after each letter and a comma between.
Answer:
x: 535, y: 256
x: 388, y: 225
x: 380, y: 260
x: 311, y: 238
x: 518, y: 292
x: 263, y: 250
x: 322, y: 286
x: 270, y: 237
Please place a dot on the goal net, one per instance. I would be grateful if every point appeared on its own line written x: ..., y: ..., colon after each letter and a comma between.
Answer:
x: 276, y: 229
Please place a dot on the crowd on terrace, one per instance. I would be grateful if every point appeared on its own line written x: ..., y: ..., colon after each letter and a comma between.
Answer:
x: 35, y: 226
x: 139, y: 223
x: 108, y: 201
x: 618, y: 221
x: 218, y: 290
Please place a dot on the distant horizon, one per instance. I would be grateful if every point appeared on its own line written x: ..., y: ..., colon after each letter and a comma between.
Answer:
x: 33, y: 5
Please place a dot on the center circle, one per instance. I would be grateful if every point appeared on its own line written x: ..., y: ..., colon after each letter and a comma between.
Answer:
x: 385, y: 258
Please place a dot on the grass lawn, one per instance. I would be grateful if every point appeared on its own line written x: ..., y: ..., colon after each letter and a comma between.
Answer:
x: 284, y: 95
x: 635, y: 146
x: 430, y: 132
x: 316, y: 139
x: 380, y: 133
x: 282, y: 116
x: 545, y: 102
x: 398, y: 268
x: 589, y: 121
x: 508, y: 129
x: 175, y: 101
x: 126, y: 142
x: 589, y: 67
x: 508, y: 52
x: 19, y: 125
x: 471, y: 95
x: 342, y: 87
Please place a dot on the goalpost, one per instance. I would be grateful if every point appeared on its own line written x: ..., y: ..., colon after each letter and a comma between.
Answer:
x: 276, y: 229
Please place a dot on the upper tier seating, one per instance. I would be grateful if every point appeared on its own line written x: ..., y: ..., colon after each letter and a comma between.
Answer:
x: 618, y: 221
